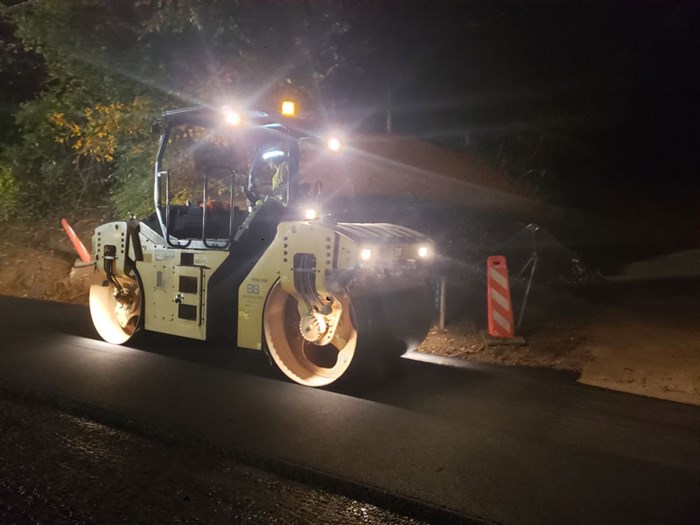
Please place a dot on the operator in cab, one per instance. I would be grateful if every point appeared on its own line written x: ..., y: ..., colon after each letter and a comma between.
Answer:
x: 280, y: 179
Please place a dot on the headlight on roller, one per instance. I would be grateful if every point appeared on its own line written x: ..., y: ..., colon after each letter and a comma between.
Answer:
x: 334, y: 144
x: 365, y: 254
x: 424, y: 252
x: 231, y: 117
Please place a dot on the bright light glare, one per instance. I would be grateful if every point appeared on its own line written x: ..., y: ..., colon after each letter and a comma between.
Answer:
x: 272, y: 154
x: 334, y: 144
x: 289, y: 108
x: 232, y: 118
x: 310, y: 214
x: 365, y: 254
x: 423, y: 251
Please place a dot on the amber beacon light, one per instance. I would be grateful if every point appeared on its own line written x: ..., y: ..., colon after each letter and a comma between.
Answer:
x: 289, y: 108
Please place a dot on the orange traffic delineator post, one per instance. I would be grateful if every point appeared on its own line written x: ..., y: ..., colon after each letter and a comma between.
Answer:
x: 77, y: 243
x: 500, y: 307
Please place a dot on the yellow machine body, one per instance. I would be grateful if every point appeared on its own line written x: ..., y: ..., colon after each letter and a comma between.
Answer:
x: 337, y: 250
x: 226, y: 256
x: 175, y: 281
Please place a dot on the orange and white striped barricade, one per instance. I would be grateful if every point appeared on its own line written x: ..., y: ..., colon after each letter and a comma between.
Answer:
x: 499, y: 304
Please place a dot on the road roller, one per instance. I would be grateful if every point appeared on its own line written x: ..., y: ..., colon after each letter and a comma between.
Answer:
x: 239, y: 249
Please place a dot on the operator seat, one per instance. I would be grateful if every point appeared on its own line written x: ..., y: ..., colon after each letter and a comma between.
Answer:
x: 261, y: 223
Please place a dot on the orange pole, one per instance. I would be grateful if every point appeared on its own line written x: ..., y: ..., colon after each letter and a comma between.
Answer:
x: 77, y: 243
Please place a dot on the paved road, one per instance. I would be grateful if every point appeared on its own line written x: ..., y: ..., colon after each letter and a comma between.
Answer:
x: 506, y: 445
x: 91, y: 473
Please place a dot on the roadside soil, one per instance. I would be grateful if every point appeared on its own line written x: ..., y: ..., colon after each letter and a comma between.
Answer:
x: 644, y: 338
x: 37, y: 261
x: 555, y: 327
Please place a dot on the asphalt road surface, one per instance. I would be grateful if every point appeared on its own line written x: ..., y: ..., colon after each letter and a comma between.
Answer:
x: 438, y: 442
x: 56, y: 467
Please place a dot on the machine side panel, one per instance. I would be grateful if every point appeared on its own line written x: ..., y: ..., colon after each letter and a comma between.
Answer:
x: 252, y: 294
x: 111, y: 234
x: 175, y: 287
x: 335, y: 249
x: 277, y: 263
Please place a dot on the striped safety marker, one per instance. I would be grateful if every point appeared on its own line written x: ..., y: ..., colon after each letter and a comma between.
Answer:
x: 500, y: 308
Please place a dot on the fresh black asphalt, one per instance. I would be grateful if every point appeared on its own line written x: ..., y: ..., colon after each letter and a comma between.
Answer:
x: 504, y: 445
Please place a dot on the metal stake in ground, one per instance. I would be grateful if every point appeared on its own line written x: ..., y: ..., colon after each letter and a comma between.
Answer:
x: 532, y: 263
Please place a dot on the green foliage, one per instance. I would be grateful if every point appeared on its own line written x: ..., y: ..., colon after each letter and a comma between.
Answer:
x: 20, y: 74
x: 132, y: 191
x: 112, y: 67
x: 9, y: 193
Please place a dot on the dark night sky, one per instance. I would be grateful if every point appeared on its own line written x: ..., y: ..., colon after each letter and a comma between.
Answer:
x: 623, y: 75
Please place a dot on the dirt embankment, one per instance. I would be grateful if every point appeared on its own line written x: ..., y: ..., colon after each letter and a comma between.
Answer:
x: 408, y: 167
x: 37, y: 259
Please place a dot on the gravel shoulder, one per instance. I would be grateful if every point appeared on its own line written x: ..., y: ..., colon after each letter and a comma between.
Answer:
x: 56, y: 467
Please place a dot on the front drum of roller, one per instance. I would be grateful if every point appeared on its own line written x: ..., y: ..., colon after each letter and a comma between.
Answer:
x: 116, y: 321
x: 374, y: 331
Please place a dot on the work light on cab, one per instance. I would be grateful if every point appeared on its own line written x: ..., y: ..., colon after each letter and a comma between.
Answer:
x: 334, y: 144
x: 232, y: 118
x: 273, y: 154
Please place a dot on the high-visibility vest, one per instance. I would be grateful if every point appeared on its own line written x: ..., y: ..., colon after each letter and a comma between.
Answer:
x: 280, y: 176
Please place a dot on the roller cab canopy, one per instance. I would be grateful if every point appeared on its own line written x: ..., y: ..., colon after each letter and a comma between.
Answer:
x: 217, y: 165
